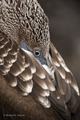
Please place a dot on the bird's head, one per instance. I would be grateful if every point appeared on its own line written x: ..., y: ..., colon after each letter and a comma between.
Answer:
x: 30, y: 24
x: 37, y: 38
x: 34, y: 29
x: 37, y: 52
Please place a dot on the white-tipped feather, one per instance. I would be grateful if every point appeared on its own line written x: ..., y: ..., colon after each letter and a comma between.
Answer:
x: 33, y: 70
x: 49, y: 70
x: 65, y: 67
x: 29, y: 89
x: 76, y: 89
x: 14, y: 84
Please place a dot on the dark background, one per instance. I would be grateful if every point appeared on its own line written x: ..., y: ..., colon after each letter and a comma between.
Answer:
x: 64, y: 18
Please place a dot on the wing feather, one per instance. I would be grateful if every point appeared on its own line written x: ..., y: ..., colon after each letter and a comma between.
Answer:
x: 27, y: 75
x: 66, y: 85
x: 11, y: 79
x: 24, y: 72
x: 62, y: 69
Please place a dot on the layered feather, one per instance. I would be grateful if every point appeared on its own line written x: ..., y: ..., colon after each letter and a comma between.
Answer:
x: 66, y: 85
x: 27, y: 75
x: 24, y: 72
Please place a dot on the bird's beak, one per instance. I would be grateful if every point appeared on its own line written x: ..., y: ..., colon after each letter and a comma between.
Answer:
x: 43, y: 61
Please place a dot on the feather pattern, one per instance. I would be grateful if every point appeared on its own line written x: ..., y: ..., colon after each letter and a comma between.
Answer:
x: 26, y: 74
x: 66, y: 85
x: 52, y: 84
x: 63, y: 72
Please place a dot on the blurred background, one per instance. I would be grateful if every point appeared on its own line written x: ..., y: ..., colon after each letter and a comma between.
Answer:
x: 64, y: 18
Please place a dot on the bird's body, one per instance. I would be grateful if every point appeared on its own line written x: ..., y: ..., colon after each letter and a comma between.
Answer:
x: 35, y: 67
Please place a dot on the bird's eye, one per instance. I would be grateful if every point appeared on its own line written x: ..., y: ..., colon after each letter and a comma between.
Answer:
x: 37, y: 53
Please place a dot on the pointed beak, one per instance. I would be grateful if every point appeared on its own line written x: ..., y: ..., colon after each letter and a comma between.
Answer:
x: 43, y: 61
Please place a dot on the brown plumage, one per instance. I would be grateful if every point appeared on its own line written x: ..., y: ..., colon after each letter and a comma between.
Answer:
x: 51, y: 83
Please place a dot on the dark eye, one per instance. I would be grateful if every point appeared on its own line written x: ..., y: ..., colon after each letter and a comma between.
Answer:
x: 37, y: 53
